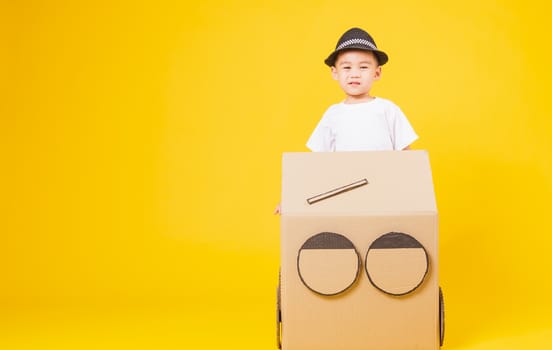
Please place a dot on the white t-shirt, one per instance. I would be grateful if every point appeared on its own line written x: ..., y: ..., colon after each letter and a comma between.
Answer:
x: 376, y: 125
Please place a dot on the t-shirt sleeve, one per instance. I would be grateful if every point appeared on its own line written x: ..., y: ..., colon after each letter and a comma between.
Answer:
x: 403, y: 133
x: 321, y: 139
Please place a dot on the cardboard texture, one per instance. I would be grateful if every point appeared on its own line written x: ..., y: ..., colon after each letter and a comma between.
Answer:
x: 358, y: 264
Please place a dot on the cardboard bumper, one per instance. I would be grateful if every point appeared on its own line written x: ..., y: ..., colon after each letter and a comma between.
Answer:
x: 359, y: 252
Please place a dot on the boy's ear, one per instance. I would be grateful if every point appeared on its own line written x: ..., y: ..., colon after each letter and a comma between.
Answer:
x: 378, y: 73
x: 334, y: 72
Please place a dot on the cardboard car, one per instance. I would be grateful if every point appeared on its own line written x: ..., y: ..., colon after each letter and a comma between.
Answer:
x: 359, y: 252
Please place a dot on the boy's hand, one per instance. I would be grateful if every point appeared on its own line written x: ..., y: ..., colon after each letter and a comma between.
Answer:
x: 278, y: 209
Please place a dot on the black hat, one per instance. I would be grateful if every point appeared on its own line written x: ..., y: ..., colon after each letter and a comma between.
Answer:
x: 356, y: 38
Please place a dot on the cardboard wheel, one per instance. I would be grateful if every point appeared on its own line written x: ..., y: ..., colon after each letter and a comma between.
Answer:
x: 278, y: 314
x: 441, y: 317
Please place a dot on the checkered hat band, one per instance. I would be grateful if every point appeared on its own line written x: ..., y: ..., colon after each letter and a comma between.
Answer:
x: 355, y: 42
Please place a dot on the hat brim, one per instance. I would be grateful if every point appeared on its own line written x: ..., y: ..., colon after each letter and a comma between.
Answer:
x: 380, y: 55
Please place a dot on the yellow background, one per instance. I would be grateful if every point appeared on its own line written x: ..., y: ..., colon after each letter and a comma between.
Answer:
x: 141, y: 149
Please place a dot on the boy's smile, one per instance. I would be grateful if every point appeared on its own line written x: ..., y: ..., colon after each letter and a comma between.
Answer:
x: 356, y: 71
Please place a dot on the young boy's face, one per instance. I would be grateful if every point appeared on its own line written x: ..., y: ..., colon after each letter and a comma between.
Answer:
x: 356, y: 71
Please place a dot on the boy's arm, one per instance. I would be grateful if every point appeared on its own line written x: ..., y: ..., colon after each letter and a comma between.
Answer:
x: 278, y: 209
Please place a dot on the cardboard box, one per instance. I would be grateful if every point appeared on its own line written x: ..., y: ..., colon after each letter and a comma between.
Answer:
x: 359, y: 252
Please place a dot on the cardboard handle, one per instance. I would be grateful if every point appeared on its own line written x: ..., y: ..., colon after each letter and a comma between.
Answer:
x: 337, y: 191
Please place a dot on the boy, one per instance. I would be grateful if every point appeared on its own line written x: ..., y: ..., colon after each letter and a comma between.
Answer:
x: 361, y: 122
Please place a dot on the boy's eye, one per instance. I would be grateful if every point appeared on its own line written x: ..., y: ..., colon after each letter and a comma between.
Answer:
x: 364, y: 67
